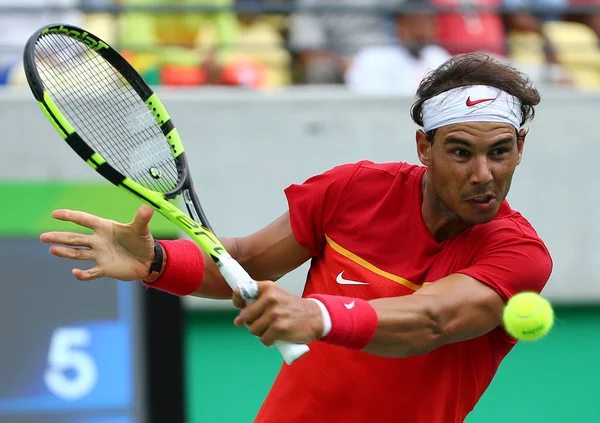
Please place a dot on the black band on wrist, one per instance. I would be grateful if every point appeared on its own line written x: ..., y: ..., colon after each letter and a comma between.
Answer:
x: 156, y: 265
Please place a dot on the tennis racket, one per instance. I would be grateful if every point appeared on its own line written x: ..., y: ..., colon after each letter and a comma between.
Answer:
x: 113, y: 120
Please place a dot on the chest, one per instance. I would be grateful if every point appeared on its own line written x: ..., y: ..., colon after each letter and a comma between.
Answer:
x: 385, y: 261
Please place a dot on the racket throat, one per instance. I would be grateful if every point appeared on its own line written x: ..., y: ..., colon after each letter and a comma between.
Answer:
x: 189, y: 203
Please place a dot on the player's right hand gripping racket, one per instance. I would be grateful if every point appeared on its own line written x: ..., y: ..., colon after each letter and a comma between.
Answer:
x: 114, y: 121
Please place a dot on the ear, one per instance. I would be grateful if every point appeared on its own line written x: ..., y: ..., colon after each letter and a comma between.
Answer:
x: 520, y: 144
x: 423, y: 148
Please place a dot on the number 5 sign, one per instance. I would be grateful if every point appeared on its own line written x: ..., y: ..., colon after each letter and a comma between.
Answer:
x: 72, y: 372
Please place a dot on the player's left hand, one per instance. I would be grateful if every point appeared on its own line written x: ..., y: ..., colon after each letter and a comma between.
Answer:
x: 278, y: 315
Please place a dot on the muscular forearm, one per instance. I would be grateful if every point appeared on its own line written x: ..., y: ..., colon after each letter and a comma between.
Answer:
x: 211, y: 283
x: 407, y: 326
x: 266, y: 255
x: 262, y: 261
x: 453, y: 309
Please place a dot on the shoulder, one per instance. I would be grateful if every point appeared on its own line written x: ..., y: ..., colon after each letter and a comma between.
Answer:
x: 507, y: 254
x: 511, y: 233
x: 365, y: 179
x: 376, y: 185
x: 366, y: 167
x: 362, y: 180
x: 508, y: 223
x: 390, y: 168
x: 385, y: 172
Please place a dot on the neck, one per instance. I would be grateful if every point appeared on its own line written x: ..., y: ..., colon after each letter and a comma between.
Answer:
x: 440, y: 221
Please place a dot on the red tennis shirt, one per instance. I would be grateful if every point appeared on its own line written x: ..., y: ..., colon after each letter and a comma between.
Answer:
x: 368, y: 239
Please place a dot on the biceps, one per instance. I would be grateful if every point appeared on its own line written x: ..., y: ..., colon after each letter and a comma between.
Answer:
x: 273, y: 251
x: 466, y: 307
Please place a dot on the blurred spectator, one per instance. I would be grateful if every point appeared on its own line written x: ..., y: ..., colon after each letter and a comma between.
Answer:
x: 17, y: 27
x: 326, y: 41
x: 245, y: 72
x: 528, y: 47
x: 398, y: 69
x: 468, y: 30
x: 528, y: 15
x: 577, y: 51
x: 179, y: 43
x: 589, y: 18
x: 260, y: 58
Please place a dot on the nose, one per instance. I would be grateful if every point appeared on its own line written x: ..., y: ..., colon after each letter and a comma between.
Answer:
x: 481, y: 173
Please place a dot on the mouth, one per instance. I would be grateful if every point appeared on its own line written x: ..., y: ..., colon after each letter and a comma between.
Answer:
x: 482, y: 198
x: 482, y: 201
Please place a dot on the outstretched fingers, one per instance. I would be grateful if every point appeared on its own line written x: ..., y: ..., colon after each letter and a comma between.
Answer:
x: 73, y: 253
x: 78, y: 217
x: 89, y: 274
x: 67, y: 238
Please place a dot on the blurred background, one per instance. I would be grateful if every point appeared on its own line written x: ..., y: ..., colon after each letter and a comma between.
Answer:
x: 266, y: 93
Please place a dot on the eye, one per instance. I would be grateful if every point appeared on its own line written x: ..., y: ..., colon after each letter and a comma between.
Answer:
x: 459, y: 152
x: 500, y: 151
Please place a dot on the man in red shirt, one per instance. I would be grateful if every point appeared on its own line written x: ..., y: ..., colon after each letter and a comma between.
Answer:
x: 466, y: 26
x: 410, y: 265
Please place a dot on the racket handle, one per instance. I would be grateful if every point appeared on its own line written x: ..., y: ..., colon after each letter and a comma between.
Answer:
x: 235, y: 275
x: 290, y: 351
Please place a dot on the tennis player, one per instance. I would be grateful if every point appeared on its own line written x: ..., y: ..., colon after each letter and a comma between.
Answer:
x: 410, y: 265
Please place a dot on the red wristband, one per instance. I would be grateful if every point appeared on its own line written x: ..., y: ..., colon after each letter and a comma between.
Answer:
x: 184, y: 269
x: 353, y: 321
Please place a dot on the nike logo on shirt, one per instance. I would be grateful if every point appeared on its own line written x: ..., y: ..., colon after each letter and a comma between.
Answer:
x: 340, y: 279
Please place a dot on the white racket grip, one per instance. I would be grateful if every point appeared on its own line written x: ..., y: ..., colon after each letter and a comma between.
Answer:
x: 235, y: 275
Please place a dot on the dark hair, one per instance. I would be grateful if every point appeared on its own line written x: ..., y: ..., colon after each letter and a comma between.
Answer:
x: 476, y: 69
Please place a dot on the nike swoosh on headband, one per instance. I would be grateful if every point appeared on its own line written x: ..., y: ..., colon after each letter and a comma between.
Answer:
x: 471, y: 103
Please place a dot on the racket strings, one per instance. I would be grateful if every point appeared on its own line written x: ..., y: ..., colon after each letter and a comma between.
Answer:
x: 106, y: 111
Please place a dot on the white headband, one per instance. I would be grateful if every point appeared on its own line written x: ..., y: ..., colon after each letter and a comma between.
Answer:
x: 473, y: 103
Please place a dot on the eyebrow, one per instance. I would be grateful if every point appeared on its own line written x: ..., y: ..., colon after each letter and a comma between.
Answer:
x: 460, y: 141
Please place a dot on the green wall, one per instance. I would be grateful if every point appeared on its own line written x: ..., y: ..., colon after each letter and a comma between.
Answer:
x: 554, y: 380
x: 26, y: 206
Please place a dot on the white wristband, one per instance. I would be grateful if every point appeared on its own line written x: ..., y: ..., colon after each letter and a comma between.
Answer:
x: 326, y: 317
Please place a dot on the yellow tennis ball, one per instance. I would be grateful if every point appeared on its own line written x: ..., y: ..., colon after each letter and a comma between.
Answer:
x: 528, y: 316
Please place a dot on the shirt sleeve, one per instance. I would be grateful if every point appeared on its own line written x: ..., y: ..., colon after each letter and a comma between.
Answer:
x: 514, y: 264
x: 313, y: 203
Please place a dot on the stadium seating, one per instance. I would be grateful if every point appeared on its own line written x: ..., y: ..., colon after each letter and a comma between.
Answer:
x: 577, y: 50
